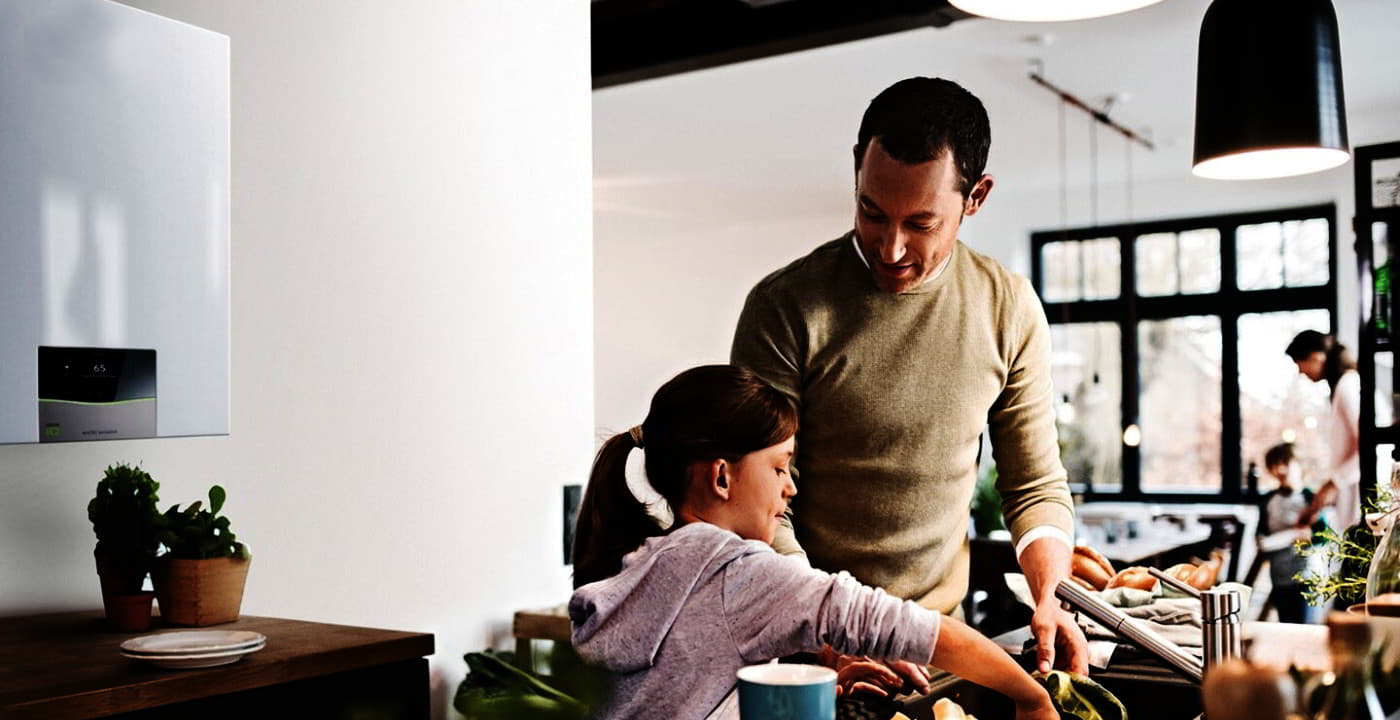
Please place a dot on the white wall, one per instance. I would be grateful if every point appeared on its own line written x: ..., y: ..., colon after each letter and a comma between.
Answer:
x: 412, y: 326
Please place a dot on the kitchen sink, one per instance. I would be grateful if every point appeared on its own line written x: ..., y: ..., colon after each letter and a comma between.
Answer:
x: 1148, y: 693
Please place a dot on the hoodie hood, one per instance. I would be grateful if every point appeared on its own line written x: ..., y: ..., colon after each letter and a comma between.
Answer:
x: 619, y: 622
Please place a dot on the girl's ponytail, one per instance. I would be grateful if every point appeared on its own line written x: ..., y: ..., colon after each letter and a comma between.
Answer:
x: 611, y: 520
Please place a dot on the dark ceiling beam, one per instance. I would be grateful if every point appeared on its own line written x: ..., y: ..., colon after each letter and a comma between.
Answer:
x: 636, y: 40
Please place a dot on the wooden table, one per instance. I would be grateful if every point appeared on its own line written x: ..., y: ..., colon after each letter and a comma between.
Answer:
x: 546, y: 624
x: 67, y: 665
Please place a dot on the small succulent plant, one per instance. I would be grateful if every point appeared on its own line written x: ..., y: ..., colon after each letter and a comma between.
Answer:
x: 199, y: 534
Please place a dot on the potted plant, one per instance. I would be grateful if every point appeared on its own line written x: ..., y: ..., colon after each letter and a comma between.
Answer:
x: 199, y: 579
x: 124, y: 517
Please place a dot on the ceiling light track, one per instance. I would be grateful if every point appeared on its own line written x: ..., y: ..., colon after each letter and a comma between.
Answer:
x: 1099, y: 115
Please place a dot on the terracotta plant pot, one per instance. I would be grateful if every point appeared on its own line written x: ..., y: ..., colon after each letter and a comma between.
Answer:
x: 121, y: 576
x: 200, y: 592
x: 129, y: 612
x: 121, y: 572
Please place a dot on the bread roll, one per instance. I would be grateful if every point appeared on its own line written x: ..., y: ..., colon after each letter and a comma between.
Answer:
x: 946, y: 709
x: 1096, y: 556
x: 1204, y: 577
x: 1133, y: 577
x: 1081, y: 582
x: 1083, y: 568
x: 1087, y: 564
x: 1182, y: 571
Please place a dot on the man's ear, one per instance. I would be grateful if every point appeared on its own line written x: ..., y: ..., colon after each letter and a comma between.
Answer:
x: 978, y: 195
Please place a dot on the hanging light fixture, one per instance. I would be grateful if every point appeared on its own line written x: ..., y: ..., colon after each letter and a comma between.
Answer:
x: 1269, y: 90
x: 1048, y: 10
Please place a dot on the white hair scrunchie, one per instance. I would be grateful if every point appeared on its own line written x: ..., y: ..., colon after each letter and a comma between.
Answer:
x: 657, y: 507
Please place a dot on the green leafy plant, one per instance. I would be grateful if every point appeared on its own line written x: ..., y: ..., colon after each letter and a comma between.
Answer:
x: 496, y: 688
x: 123, y: 512
x: 986, y: 504
x: 198, y: 534
x: 1349, y: 552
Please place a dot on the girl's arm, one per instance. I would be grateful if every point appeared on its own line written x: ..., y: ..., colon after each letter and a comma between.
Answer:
x: 778, y: 606
x: 966, y: 653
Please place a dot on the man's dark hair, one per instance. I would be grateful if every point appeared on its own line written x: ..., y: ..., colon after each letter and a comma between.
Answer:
x: 1280, y: 454
x: 917, y: 118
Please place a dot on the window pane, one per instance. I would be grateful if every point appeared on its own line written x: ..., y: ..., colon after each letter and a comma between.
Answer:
x: 1385, y: 462
x: 1305, y: 252
x: 1259, y: 256
x: 1060, y: 264
x: 1200, y: 261
x: 1102, y: 269
x: 1385, y: 183
x: 1179, y: 410
x: 1086, y: 368
x: 1156, y: 264
x: 1277, y: 404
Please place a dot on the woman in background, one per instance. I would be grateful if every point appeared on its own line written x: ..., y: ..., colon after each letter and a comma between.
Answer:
x: 1321, y: 357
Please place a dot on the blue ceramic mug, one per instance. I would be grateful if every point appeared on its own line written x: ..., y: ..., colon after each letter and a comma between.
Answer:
x: 778, y: 691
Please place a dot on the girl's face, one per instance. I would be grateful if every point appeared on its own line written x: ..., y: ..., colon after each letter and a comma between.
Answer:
x: 760, y: 487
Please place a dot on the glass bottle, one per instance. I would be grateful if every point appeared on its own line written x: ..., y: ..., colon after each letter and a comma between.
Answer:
x: 1383, y: 578
x: 1350, y: 695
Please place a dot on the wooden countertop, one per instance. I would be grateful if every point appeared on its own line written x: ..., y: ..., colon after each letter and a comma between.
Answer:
x: 68, y: 664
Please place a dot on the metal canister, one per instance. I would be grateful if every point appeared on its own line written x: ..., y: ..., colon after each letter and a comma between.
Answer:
x: 1220, y: 626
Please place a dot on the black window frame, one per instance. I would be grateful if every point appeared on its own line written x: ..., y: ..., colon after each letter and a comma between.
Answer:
x: 1228, y: 304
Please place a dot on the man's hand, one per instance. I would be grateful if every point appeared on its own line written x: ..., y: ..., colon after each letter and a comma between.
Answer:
x: 1058, y: 639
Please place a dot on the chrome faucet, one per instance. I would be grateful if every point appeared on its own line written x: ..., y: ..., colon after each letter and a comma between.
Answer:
x: 1220, y: 619
x: 1089, y: 603
x: 1220, y: 624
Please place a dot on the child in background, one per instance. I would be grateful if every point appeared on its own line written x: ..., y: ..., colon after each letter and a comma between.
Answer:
x: 672, y: 614
x: 1286, y: 515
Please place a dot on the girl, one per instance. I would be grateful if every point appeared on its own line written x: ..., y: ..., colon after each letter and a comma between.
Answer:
x: 673, y: 614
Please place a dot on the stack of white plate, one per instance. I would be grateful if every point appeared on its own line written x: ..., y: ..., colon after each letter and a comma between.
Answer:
x: 193, y: 648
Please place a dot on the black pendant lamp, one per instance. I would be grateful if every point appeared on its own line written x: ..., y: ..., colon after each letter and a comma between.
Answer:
x: 1269, y: 90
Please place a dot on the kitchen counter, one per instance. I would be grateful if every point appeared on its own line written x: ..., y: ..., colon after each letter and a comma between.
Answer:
x: 67, y: 665
x: 1147, y: 687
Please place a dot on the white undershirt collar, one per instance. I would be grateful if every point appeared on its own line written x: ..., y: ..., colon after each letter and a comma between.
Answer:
x: 943, y: 266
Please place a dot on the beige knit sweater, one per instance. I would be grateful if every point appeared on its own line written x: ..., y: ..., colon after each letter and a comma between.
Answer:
x: 894, y: 392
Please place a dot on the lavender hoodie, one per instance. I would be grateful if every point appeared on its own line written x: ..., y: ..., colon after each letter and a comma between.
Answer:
x: 691, y: 607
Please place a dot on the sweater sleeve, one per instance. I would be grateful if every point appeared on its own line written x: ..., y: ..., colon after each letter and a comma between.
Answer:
x: 777, y: 606
x: 1031, y: 480
x: 766, y: 343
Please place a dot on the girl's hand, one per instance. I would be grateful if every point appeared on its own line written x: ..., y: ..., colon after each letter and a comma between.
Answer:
x: 866, y: 676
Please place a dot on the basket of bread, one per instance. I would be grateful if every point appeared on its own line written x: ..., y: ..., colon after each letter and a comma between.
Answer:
x: 1093, y: 571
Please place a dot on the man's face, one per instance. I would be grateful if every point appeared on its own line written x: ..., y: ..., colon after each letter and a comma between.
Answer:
x: 908, y: 216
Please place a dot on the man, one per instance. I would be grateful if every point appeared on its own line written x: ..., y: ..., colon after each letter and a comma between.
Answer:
x: 899, y: 345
